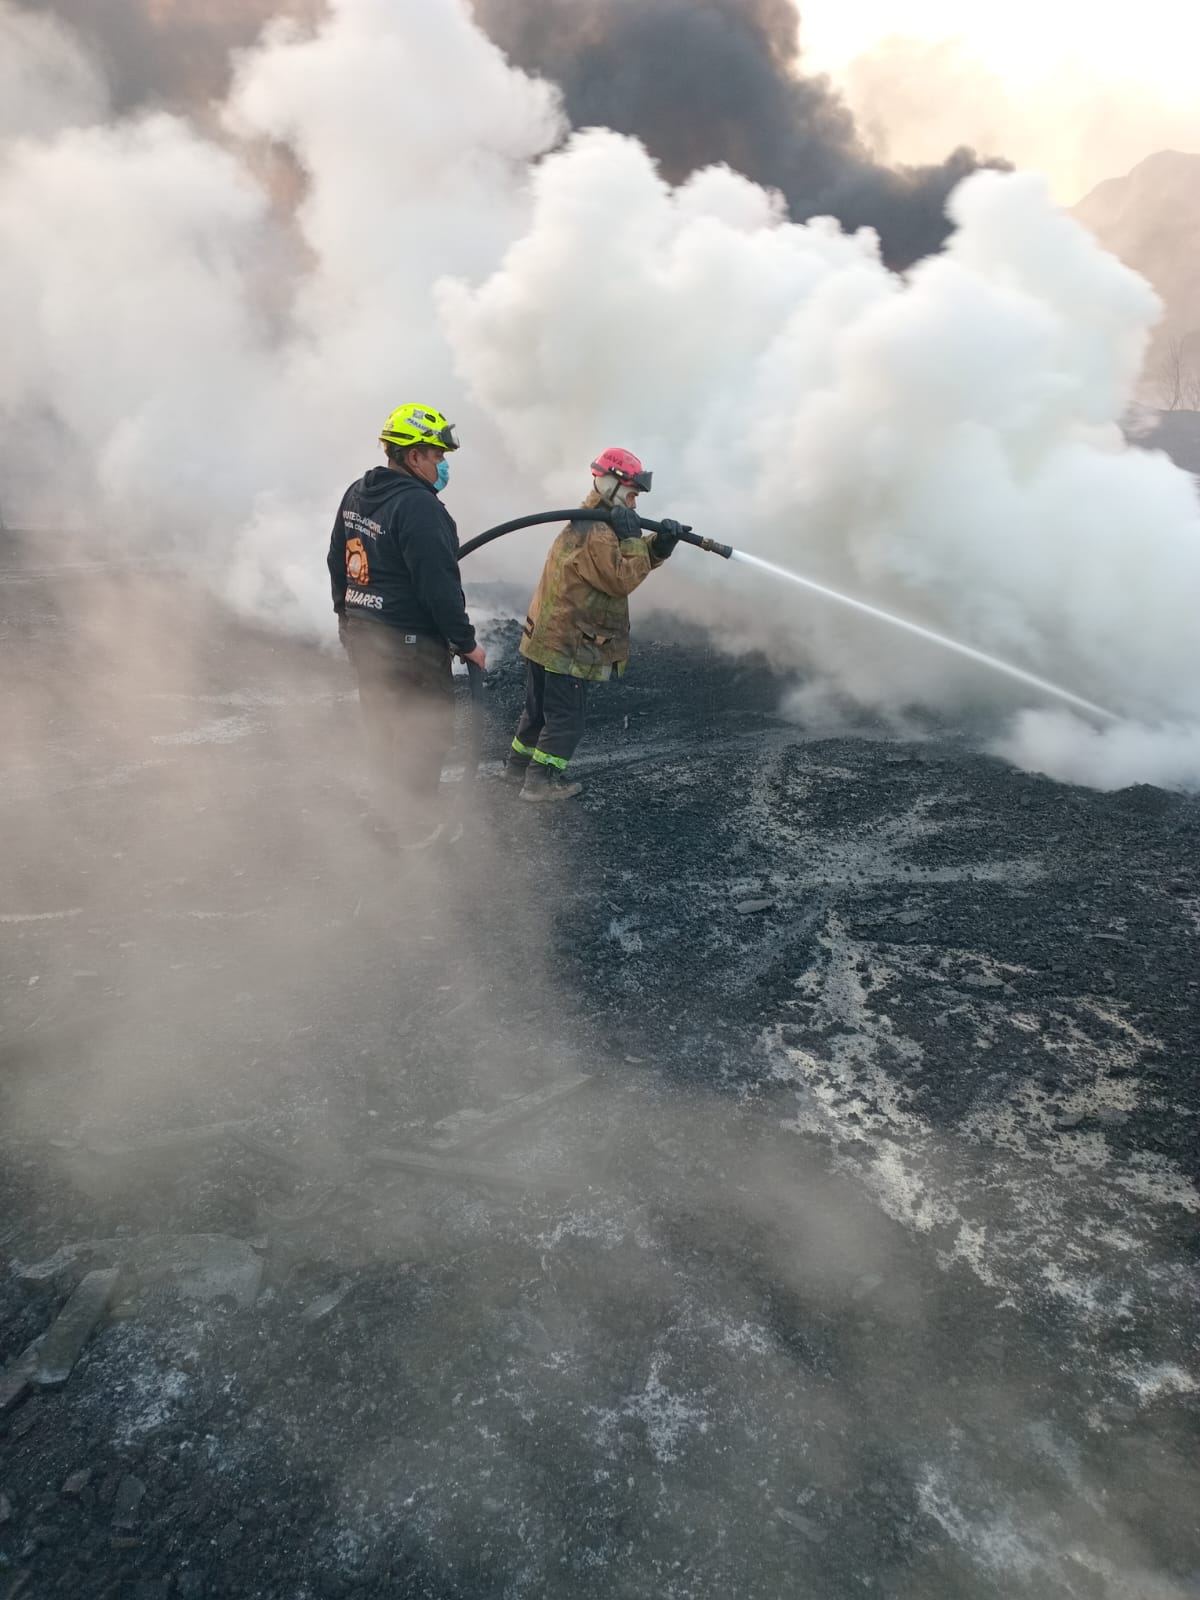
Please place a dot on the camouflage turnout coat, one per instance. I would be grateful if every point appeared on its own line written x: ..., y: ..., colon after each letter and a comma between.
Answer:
x: 578, y: 621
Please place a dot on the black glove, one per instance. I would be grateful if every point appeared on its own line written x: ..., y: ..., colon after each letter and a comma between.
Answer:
x: 668, y: 538
x: 626, y: 523
x: 343, y: 631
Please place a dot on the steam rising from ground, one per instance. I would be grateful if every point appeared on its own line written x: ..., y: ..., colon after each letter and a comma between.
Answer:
x: 193, y: 366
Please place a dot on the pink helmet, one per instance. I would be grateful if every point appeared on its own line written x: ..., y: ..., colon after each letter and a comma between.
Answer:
x: 625, y: 467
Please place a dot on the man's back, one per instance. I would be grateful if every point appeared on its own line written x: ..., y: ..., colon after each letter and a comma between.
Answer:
x: 393, y: 558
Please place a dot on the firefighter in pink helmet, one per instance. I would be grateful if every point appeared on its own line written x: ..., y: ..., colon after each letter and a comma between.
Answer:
x: 577, y: 631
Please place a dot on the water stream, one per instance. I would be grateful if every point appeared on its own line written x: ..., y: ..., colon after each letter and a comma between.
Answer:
x: 1029, y: 678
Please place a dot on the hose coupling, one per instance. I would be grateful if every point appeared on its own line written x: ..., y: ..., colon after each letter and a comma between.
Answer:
x: 723, y: 550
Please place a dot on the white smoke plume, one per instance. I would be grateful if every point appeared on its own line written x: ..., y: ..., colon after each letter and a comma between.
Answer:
x: 1110, y: 758
x: 947, y: 447
x: 194, y: 365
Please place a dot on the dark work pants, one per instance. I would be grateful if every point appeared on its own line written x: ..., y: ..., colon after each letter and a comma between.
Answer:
x: 406, y: 690
x: 553, y: 720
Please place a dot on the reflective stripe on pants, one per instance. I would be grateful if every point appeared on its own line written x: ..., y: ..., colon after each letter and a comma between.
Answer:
x: 554, y: 717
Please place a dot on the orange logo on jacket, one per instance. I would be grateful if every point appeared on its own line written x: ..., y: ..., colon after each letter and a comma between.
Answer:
x: 358, y: 568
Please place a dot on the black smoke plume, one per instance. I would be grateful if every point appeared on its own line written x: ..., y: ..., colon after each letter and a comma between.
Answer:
x: 703, y: 81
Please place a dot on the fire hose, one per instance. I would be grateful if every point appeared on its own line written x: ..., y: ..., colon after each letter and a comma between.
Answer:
x: 599, y: 514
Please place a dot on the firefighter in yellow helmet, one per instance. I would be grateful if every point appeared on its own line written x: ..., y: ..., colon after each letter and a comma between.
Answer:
x: 577, y: 631
x: 402, y: 616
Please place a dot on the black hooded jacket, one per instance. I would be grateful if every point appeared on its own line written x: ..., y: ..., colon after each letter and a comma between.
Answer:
x: 393, y: 557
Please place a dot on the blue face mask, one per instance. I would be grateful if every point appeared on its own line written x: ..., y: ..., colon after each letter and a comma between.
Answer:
x: 443, y: 476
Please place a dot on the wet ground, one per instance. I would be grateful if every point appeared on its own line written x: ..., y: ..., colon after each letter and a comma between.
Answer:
x: 856, y: 1255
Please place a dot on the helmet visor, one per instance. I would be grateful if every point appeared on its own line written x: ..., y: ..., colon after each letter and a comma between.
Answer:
x: 641, y: 481
x: 407, y: 433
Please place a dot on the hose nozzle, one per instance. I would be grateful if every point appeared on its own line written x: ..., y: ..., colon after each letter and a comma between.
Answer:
x: 725, y: 551
x: 690, y: 537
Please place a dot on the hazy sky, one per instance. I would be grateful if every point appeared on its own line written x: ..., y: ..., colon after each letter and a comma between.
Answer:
x: 1082, y: 89
x: 1020, y: 35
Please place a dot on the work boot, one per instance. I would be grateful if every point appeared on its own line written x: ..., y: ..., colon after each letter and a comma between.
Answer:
x: 515, y: 771
x: 543, y: 783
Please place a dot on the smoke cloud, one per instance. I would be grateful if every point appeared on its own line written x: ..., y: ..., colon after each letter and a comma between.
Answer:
x: 697, y: 83
x: 169, y: 53
x: 946, y: 446
x: 47, y: 81
x: 949, y: 446
x: 721, y: 81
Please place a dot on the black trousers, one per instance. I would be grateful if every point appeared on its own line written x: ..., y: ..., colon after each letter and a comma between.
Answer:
x: 406, y: 691
x: 553, y: 720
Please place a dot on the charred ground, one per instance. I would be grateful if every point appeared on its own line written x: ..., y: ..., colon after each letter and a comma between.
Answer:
x: 863, y: 1264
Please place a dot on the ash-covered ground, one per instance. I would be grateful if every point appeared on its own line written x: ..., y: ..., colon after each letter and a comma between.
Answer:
x: 772, y: 1176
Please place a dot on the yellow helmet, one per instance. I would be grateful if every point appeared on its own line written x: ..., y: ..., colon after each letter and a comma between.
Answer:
x: 409, y: 425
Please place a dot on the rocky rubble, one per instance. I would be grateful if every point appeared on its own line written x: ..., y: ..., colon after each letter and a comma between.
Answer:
x: 775, y: 1174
